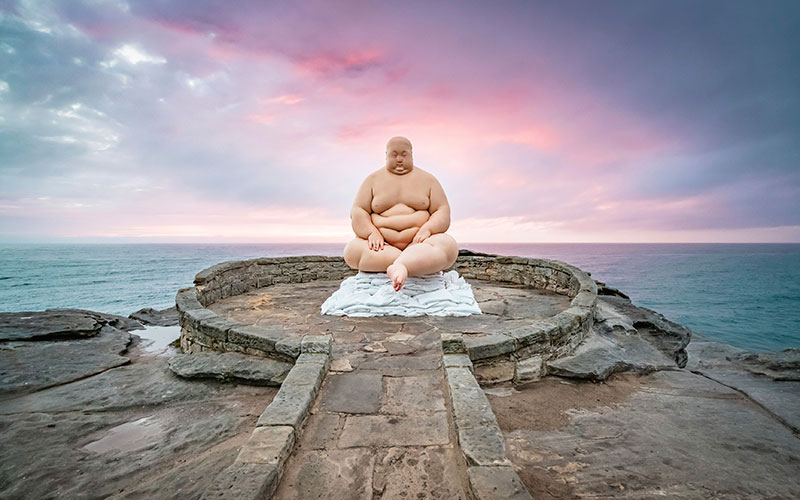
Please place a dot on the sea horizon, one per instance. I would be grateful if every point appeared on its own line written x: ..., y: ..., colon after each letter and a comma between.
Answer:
x: 744, y: 294
x: 218, y: 243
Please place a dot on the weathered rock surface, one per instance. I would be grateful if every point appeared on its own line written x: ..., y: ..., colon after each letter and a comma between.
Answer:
x: 600, y: 355
x: 134, y: 431
x: 778, y: 392
x: 45, y: 348
x: 150, y: 316
x: 781, y: 365
x: 671, y: 434
x: 230, y: 366
x: 54, y: 324
x: 669, y: 337
x: 29, y: 366
x: 624, y: 338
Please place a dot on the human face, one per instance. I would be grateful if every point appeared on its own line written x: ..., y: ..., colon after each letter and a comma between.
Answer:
x: 399, y: 160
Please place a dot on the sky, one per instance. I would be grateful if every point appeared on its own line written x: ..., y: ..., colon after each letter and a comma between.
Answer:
x: 197, y: 121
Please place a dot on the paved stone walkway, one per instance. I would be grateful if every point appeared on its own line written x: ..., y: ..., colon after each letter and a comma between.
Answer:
x: 379, y: 429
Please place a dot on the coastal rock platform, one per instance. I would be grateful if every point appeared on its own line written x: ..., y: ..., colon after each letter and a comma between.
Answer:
x: 425, y: 407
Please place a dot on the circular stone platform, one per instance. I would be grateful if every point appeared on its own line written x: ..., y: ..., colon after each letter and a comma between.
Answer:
x: 534, y: 310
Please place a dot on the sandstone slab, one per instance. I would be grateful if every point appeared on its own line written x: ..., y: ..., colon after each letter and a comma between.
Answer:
x: 55, y: 324
x: 601, y: 355
x: 161, y: 433
x: 30, y: 366
x: 398, y: 366
x: 417, y: 472
x: 390, y: 430
x: 230, y: 366
x: 356, y: 392
x: 775, y: 390
x: 154, y: 317
x: 412, y: 394
x: 330, y: 474
x: 678, y: 435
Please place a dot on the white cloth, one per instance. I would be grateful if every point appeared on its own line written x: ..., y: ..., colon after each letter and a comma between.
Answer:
x: 372, y: 294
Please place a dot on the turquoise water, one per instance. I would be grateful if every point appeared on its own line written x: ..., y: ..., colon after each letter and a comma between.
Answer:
x: 747, y: 295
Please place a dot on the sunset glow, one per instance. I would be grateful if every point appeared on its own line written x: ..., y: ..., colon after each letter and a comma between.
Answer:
x: 544, y: 122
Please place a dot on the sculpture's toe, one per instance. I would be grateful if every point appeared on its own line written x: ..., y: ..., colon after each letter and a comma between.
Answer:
x: 397, y: 273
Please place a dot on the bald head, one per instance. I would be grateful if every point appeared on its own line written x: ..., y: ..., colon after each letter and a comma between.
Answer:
x: 398, y: 156
x: 398, y: 141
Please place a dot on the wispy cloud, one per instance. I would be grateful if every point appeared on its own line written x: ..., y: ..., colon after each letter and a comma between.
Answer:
x: 572, y: 121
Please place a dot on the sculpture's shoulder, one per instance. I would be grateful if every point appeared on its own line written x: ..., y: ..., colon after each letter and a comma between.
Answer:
x: 372, y: 178
x: 425, y: 174
x: 426, y: 178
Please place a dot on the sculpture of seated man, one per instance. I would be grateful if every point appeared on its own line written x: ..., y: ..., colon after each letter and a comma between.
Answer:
x: 400, y: 216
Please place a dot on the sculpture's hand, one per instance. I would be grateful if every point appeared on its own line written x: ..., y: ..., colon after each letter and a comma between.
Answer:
x: 422, y: 234
x: 375, y: 240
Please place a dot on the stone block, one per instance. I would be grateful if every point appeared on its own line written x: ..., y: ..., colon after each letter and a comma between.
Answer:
x: 453, y: 343
x: 289, y: 346
x: 227, y: 365
x: 186, y: 299
x: 471, y: 408
x: 489, y: 346
x: 306, y: 374
x: 568, y: 322
x: 484, y: 446
x: 192, y: 318
x: 495, y: 371
x: 203, y: 339
x: 268, y: 445
x: 535, y: 332
x: 289, y: 407
x: 255, y: 337
x: 457, y: 361
x: 244, y: 481
x: 529, y: 370
x: 216, y: 328
x: 584, y: 299
x: 491, y: 483
x: 316, y: 344
x: 319, y: 359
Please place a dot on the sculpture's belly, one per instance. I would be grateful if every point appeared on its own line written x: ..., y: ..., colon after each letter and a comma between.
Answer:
x: 399, y: 224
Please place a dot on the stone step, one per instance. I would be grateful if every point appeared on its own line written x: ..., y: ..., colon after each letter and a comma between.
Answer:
x: 231, y: 366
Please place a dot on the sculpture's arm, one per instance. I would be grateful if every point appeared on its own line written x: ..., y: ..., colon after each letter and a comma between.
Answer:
x: 360, y: 213
x: 439, y: 208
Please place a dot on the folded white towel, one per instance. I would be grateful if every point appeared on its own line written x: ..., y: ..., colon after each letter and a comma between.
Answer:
x: 372, y: 294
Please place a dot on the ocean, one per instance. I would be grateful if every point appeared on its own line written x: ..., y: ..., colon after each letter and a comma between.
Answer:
x: 746, y: 295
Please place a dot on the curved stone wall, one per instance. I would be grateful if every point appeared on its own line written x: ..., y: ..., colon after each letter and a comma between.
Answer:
x: 202, y: 329
x: 519, y: 354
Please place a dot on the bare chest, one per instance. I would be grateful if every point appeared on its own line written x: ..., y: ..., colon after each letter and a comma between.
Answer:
x: 396, y: 194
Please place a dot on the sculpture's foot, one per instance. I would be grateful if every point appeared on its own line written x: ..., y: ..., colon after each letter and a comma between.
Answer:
x: 397, y: 273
